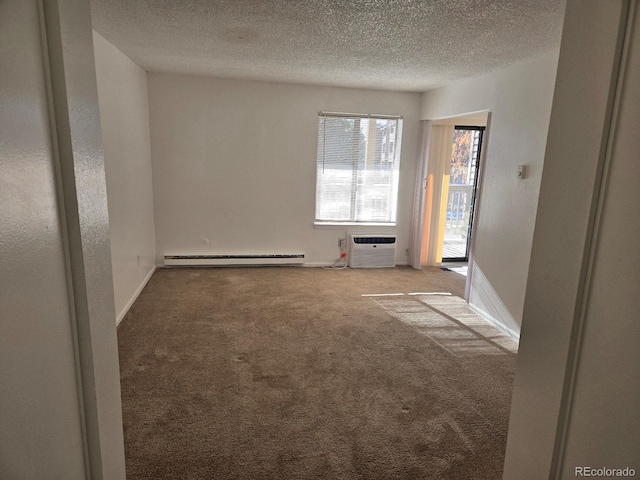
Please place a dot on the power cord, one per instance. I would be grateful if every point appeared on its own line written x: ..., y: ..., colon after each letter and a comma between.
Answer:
x: 341, y: 263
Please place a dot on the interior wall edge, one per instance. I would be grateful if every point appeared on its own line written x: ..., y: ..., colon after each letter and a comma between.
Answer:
x: 485, y: 299
x: 584, y: 94
x: 123, y: 312
x: 74, y: 103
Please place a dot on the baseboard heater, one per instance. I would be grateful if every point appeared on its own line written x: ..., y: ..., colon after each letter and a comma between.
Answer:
x: 372, y: 251
x: 228, y: 260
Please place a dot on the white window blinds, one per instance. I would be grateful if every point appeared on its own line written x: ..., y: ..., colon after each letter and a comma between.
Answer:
x: 358, y: 168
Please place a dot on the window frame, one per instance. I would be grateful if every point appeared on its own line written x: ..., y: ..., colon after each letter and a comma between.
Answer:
x: 395, y: 171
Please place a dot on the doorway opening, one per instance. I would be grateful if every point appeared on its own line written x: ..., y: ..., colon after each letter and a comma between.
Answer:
x: 449, y: 191
x: 460, y: 192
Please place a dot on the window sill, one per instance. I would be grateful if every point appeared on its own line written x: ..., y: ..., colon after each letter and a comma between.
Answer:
x: 352, y: 224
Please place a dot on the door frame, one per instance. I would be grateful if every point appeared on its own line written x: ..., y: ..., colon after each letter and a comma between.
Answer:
x: 482, y: 130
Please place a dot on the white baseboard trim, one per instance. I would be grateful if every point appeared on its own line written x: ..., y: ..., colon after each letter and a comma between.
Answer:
x: 328, y: 264
x: 308, y: 264
x: 485, y: 300
x: 513, y: 334
x: 134, y: 297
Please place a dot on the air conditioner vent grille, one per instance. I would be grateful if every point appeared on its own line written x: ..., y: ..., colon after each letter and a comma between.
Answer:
x: 369, y: 240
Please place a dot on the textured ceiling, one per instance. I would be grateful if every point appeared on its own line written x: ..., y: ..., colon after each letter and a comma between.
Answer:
x: 405, y: 45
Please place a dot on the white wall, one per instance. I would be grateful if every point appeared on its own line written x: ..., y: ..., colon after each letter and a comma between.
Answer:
x: 519, y: 98
x: 607, y: 380
x: 60, y: 411
x: 40, y: 425
x: 124, y: 118
x: 234, y: 162
x: 577, y: 383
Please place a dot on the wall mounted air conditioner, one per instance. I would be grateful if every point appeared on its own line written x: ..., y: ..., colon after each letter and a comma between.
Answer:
x: 372, y: 251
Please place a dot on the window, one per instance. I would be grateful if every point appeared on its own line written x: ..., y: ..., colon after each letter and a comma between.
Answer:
x: 358, y: 168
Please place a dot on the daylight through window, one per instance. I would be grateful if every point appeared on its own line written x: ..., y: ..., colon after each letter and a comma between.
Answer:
x: 357, y: 168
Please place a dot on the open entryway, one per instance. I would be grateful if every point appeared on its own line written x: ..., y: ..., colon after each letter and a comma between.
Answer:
x: 460, y: 192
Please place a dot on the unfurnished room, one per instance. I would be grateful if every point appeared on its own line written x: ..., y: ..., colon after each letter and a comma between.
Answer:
x: 319, y: 239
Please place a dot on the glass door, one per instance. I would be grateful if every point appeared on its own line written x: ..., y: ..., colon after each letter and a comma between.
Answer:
x: 465, y: 160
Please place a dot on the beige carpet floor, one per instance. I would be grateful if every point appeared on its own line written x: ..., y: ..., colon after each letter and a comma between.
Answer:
x: 291, y: 373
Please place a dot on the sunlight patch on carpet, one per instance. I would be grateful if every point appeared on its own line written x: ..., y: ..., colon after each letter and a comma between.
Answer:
x: 429, y: 293
x: 382, y: 294
x: 459, y: 309
x: 451, y: 323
